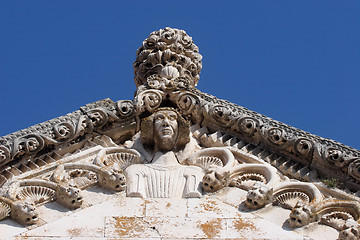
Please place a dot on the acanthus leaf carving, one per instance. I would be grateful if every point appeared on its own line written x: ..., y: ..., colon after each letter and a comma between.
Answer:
x: 187, y: 102
x: 98, y: 117
x: 64, y: 131
x: 28, y: 144
x: 148, y: 100
x: 170, y: 53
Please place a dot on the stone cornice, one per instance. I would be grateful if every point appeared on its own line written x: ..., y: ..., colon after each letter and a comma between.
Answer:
x: 330, y: 158
x: 93, y: 118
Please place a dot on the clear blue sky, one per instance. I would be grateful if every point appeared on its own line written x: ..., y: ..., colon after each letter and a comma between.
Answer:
x: 295, y: 61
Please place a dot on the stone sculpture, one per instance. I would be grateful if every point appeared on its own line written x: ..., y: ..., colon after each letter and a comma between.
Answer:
x: 174, y: 141
x: 163, y: 133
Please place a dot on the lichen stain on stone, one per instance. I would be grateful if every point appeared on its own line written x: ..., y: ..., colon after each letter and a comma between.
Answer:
x: 210, y: 206
x: 100, y: 230
x: 24, y: 236
x: 142, y: 205
x: 75, y: 231
x: 211, y: 228
x: 128, y: 226
x: 241, y: 224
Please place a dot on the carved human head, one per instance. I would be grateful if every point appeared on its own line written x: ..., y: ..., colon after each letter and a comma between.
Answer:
x: 259, y: 196
x: 169, y: 53
x: 24, y: 212
x: 165, y: 130
x: 213, y: 181
x: 351, y: 230
x: 302, y: 214
x: 112, y: 179
x: 69, y: 196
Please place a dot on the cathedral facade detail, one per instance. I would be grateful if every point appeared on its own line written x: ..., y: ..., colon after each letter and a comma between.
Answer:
x: 174, y: 141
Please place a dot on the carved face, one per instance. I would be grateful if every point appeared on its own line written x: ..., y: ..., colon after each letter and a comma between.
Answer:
x: 214, y: 181
x: 351, y: 233
x: 301, y: 215
x: 69, y: 197
x: 165, y: 129
x: 112, y: 180
x: 24, y: 213
x: 259, y: 196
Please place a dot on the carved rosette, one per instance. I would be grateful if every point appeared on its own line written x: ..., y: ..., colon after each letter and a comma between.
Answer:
x: 223, y: 115
x: 249, y: 126
x: 304, y: 147
x: 277, y: 136
x: 339, y: 158
x: 125, y: 109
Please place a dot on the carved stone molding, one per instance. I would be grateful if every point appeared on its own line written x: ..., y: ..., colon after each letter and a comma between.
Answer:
x: 169, y: 53
x: 174, y: 141
x: 45, y: 137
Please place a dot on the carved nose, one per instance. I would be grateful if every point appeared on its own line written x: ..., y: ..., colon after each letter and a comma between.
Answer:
x: 165, y: 122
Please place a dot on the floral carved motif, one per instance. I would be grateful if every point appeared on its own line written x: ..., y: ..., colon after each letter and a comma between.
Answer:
x: 169, y: 53
x: 59, y: 131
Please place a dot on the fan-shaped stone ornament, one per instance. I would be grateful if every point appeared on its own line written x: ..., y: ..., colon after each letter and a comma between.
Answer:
x: 290, y: 199
x: 36, y: 194
x: 4, y: 210
x: 118, y: 156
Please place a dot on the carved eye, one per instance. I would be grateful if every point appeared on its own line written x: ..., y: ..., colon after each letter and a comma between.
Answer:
x: 306, y: 210
x: 159, y: 117
x: 172, y: 117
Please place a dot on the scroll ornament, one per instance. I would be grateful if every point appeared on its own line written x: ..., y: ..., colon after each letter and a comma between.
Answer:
x: 63, y: 130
